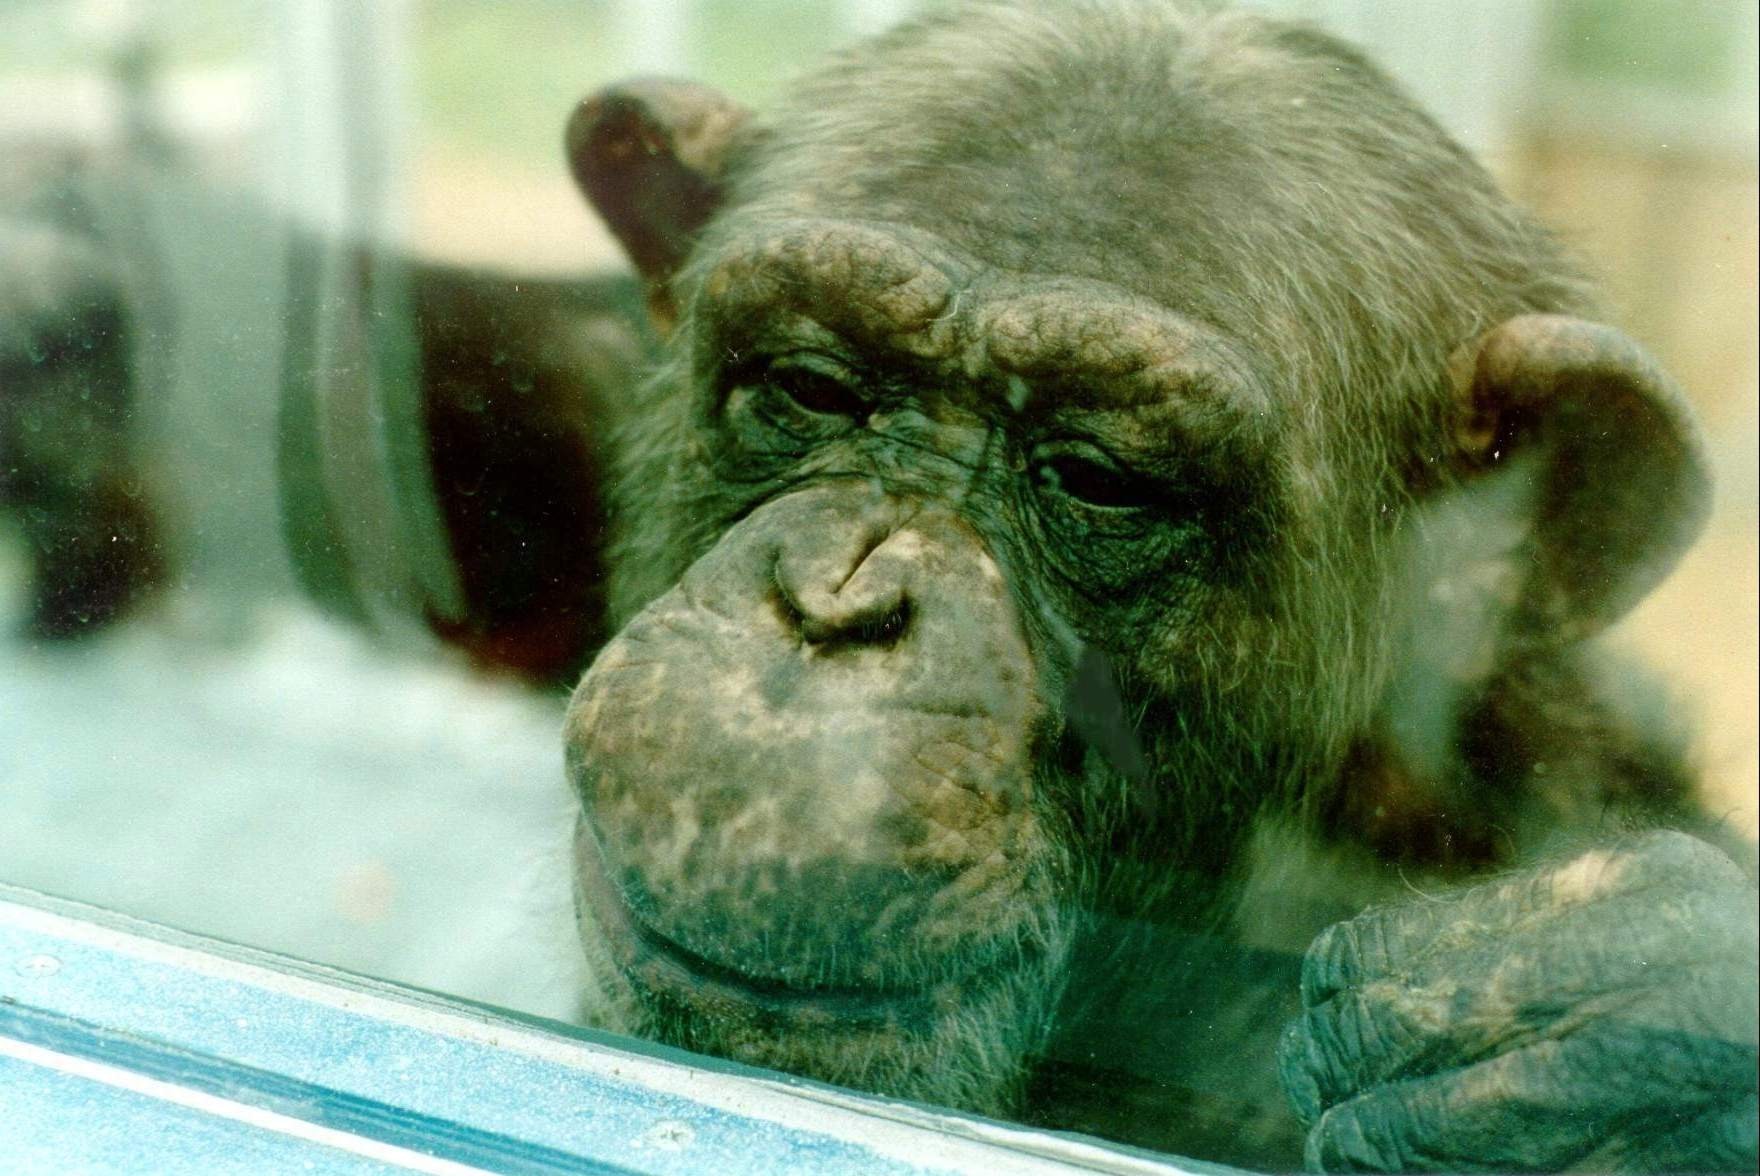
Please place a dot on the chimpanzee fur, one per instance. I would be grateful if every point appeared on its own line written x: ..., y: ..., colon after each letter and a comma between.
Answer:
x: 1124, y: 495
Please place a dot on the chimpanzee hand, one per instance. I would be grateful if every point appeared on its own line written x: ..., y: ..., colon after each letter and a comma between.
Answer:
x: 1595, y: 1015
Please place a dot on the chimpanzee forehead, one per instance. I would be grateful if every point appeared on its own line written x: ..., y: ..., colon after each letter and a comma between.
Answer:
x: 898, y: 291
x: 1128, y: 144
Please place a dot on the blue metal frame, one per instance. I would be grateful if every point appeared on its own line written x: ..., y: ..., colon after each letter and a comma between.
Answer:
x: 126, y: 1047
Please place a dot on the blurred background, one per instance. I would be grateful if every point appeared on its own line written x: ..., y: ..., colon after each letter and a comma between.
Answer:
x: 226, y: 759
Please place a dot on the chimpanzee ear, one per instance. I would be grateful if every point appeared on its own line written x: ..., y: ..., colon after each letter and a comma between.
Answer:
x: 1621, y: 488
x: 651, y: 155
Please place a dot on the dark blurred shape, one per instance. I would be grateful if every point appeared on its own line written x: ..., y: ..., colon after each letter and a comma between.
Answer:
x: 442, y: 436
x: 70, y: 470
x: 515, y: 377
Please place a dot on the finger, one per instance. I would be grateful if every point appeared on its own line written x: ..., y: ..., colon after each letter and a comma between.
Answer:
x: 1385, y: 1031
x: 1721, y: 1138
x: 1633, y: 902
x: 1398, y: 939
x: 1403, y: 940
x: 1551, y: 1104
x: 1376, y: 943
x: 1503, y: 1114
x: 1363, y: 1038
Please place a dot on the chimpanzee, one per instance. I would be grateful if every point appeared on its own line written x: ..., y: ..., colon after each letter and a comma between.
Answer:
x: 1104, y: 575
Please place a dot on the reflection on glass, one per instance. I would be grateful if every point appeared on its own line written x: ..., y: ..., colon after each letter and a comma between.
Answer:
x: 1090, y: 567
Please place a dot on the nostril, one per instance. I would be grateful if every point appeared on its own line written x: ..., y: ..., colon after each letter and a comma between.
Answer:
x: 855, y: 626
x: 863, y: 629
x: 854, y: 597
x: 868, y: 631
x: 885, y: 630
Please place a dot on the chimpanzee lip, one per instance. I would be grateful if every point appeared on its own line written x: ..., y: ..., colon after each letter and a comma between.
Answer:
x: 665, y: 963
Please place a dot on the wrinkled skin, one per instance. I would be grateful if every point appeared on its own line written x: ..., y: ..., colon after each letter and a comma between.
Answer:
x: 859, y: 653
x: 1462, y: 1033
x: 1121, y: 493
x: 809, y: 670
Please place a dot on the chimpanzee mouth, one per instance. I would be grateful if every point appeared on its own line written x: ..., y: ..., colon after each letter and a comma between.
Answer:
x: 663, y: 967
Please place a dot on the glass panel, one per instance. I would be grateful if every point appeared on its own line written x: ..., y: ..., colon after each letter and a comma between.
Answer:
x: 946, y: 585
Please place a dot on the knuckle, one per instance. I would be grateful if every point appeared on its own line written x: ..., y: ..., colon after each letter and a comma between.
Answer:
x: 1295, y: 1070
x: 1333, y: 962
x: 1335, y: 1050
x: 1365, y: 1135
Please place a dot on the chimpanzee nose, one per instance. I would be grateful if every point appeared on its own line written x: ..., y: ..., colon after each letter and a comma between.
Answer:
x: 857, y: 591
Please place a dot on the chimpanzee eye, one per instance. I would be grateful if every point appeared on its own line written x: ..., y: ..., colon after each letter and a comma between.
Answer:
x: 1086, y: 476
x: 818, y: 385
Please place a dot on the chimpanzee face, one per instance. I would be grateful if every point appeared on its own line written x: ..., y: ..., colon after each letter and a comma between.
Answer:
x: 990, y: 536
